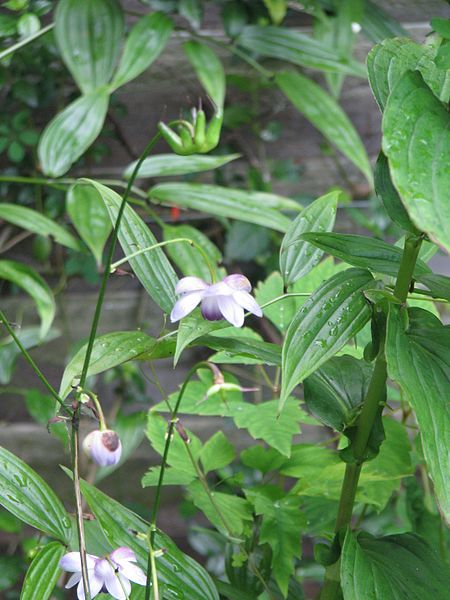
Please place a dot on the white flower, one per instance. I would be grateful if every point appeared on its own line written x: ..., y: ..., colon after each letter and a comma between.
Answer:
x: 224, y: 300
x: 111, y: 573
x: 356, y: 27
x: 104, y: 447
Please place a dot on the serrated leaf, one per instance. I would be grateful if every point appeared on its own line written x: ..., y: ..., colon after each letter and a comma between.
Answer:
x: 172, y: 476
x: 163, y: 165
x: 89, y: 36
x: 32, y: 283
x: 43, y: 573
x: 416, y: 140
x: 325, y: 322
x: 71, y: 132
x: 143, y: 45
x: 217, y: 452
x: 297, y: 257
x: 325, y: 114
x: 209, y: 70
x: 28, y: 497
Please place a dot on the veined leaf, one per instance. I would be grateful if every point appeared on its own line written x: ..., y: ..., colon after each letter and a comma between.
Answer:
x: 439, y: 285
x: 297, y: 257
x: 209, y: 70
x: 152, y: 268
x: 162, y: 165
x: 263, y: 352
x: 217, y: 453
x: 325, y: 114
x: 89, y: 35
x: 43, y: 573
x: 378, y: 25
x: 416, y: 140
x: 34, y: 221
x: 33, y: 284
x: 144, y: 44
x: 71, y: 132
x: 188, y: 258
x: 325, y: 322
x: 27, y: 496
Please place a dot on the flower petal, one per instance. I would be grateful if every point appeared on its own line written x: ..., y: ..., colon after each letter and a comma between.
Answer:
x: 185, y: 305
x: 248, y: 302
x: 210, y: 309
x: 103, y: 447
x: 73, y: 580
x: 231, y: 310
x: 117, y: 585
x: 133, y: 573
x: 238, y: 282
x: 72, y: 562
x: 95, y: 586
x: 190, y: 284
x: 122, y: 554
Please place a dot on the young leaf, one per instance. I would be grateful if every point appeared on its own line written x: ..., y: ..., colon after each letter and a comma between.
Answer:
x: 217, y: 452
x: 416, y: 140
x: 30, y: 281
x: 71, y: 132
x: 297, y: 257
x: 325, y: 322
x: 89, y: 35
x: 162, y: 165
x: 392, y: 567
x: 144, y: 44
x: 209, y: 70
x: 325, y: 114
x: 26, y: 495
x: 34, y: 221
x: 43, y: 573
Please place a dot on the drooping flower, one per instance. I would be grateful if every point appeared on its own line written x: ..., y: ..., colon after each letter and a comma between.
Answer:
x: 111, y: 573
x: 103, y: 447
x: 227, y: 299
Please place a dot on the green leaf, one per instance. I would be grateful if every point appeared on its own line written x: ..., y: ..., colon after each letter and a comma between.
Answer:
x: 172, y: 476
x: 34, y: 221
x: 378, y: 24
x: 43, y: 573
x: 389, y: 61
x: 217, y: 452
x: 144, y: 44
x: 439, y: 285
x: 325, y: 114
x: 297, y: 257
x: 9, y: 351
x: 192, y: 10
x: 325, y: 322
x: 419, y: 361
x: 297, y: 48
x: 152, y: 268
x: 281, y: 312
x: 41, y: 407
x: 262, y: 352
x: 209, y: 70
x: 188, y: 258
x: 89, y: 217
x: 335, y: 392
x: 394, y: 567
x: 416, y: 140
x: 32, y: 283
x: 89, y: 36
x: 253, y: 207
x: 182, y: 574
x: 71, y: 133
x: 362, y: 251
x: 162, y: 165
x: 26, y: 495
x: 109, y: 350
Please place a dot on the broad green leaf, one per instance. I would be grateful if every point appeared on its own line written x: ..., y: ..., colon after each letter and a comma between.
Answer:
x: 89, y: 36
x: 162, y: 165
x: 225, y: 357
x: 325, y: 114
x: 325, y: 322
x: 362, y: 251
x: 172, y: 476
x: 281, y: 312
x: 152, y: 268
x: 32, y: 283
x: 182, y: 574
x: 209, y: 70
x: 262, y: 459
x: 42, y: 407
x: 43, y: 573
x: 297, y: 48
x: 34, y: 221
x: 439, y: 285
x: 336, y: 391
x: 263, y: 352
x: 188, y: 258
x: 89, y: 217
x: 378, y: 24
x: 228, y: 591
x: 394, y: 567
x: 144, y: 44
x: 28, y: 497
x: 389, y: 61
x: 419, y: 361
x: 71, y: 132
x: 109, y: 350
x: 297, y: 257
x: 253, y: 207
x: 416, y: 140
x: 217, y: 452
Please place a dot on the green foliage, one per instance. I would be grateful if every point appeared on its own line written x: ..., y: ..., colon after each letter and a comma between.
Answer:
x: 162, y: 165
x: 43, y: 572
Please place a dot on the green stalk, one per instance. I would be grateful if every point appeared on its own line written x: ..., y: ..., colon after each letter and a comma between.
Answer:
x: 26, y: 41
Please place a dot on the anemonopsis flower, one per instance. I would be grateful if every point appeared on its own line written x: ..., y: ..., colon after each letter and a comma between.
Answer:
x: 227, y: 299
x: 103, y: 447
x: 111, y: 574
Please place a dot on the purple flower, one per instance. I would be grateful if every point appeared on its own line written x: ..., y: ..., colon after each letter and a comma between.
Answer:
x: 103, y: 447
x: 224, y: 300
x: 111, y: 573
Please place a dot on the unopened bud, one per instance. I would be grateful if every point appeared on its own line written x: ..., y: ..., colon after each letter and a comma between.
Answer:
x: 103, y: 447
x: 182, y: 432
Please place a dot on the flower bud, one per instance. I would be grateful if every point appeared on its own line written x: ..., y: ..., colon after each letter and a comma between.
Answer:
x: 103, y: 447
